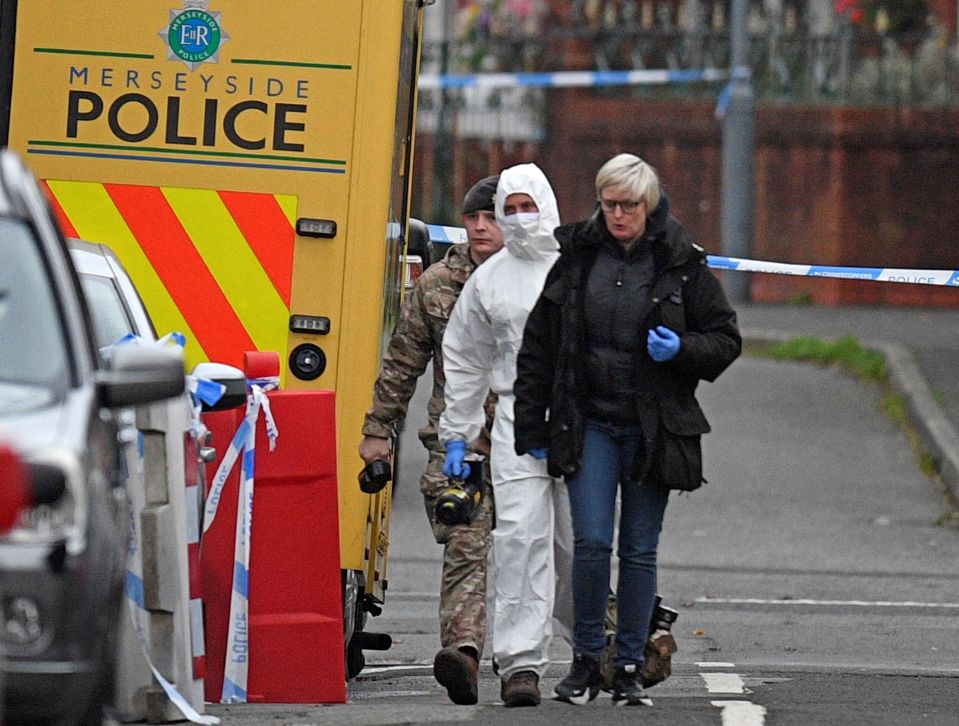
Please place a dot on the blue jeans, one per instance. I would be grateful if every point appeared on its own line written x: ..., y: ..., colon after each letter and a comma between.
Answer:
x: 607, y: 459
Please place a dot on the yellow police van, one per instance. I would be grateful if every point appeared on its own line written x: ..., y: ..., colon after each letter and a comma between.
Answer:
x: 249, y: 163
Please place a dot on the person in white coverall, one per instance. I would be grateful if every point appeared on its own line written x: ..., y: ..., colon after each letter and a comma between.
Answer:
x: 480, y: 346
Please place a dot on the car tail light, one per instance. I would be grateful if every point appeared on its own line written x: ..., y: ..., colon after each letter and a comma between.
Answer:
x: 63, y: 520
x: 13, y: 488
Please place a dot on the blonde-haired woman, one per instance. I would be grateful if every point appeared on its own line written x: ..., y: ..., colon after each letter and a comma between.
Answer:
x: 629, y: 321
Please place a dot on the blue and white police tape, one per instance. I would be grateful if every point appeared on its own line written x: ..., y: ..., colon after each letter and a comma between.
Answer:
x: 201, y: 390
x: 210, y: 392
x: 570, y: 79
x: 740, y: 73
x: 168, y: 340
x: 236, y: 668
x: 447, y: 235
x: 878, y: 274
x: 453, y: 235
x: 134, y: 590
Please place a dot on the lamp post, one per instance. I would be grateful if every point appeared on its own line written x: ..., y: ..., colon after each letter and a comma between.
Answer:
x: 739, y: 125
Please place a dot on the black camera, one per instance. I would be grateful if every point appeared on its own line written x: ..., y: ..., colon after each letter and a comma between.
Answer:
x: 460, y: 501
x: 663, y: 617
x: 374, y: 476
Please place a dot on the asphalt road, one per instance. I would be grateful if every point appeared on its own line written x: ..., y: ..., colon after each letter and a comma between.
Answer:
x: 812, y: 583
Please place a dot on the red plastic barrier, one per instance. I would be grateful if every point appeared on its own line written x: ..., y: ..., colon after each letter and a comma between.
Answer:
x: 261, y: 364
x: 296, y: 612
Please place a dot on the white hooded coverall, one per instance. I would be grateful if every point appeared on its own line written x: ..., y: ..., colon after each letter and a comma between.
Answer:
x: 480, y: 346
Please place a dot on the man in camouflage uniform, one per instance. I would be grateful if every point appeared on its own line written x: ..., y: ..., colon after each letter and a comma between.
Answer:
x: 418, y: 339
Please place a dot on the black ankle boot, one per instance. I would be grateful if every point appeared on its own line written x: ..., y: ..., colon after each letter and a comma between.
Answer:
x: 583, y: 682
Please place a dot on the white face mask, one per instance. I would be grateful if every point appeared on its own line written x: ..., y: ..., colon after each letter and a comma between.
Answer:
x: 521, y: 225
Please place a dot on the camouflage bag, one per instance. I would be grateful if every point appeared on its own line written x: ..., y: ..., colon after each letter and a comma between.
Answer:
x: 658, y: 652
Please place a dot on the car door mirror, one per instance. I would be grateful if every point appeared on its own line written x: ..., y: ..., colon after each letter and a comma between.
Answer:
x: 233, y: 380
x: 139, y: 375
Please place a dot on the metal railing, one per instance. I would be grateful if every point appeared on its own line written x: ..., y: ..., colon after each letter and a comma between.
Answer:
x: 846, y: 67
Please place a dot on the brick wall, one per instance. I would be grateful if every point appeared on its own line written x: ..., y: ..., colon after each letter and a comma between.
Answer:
x: 870, y: 188
x: 856, y: 187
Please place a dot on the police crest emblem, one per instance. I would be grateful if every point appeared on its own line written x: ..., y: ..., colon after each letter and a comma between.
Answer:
x: 194, y: 34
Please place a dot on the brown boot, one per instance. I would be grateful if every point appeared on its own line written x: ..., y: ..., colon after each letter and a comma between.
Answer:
x: 521, y: 689
x: 456, y: 671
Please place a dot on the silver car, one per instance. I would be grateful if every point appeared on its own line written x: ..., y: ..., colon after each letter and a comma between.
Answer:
x: 62, y: 566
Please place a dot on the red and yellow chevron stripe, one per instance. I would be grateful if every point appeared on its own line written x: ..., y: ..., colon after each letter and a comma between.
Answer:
x: 214, y: 265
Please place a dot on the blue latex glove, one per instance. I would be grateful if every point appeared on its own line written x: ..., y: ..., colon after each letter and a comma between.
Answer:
x: 455, y: 453
x: 539, y: 452
x: 662, y: 344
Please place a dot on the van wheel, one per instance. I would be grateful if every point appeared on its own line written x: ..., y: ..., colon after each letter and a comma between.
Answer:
x: 354, y: 620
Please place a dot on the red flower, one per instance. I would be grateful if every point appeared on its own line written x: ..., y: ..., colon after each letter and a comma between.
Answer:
x: 851, y: 9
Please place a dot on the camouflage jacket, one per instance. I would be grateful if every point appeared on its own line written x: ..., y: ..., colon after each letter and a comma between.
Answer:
x: 417, y: 340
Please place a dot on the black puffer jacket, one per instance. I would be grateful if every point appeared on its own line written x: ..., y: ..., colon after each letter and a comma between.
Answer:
x: 685, y: 296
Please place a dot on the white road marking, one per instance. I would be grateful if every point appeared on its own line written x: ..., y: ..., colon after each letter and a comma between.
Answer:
x: 723, y: 682
x: 715, y: 664
x: 741, y: 713
x: 392, y: 694
x: 798, y: 601
x: 398, y: 667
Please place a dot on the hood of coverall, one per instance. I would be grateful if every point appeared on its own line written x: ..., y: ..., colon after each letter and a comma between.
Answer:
x: 528, y: 239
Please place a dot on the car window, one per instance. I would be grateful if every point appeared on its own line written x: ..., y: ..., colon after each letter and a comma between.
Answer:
x: 33, y: 350
x: 110, y: 318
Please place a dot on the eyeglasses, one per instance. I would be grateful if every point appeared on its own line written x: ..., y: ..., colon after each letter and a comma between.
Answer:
x: 628, y: 207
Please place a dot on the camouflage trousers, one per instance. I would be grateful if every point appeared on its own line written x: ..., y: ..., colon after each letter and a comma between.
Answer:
x: 465, y: 549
